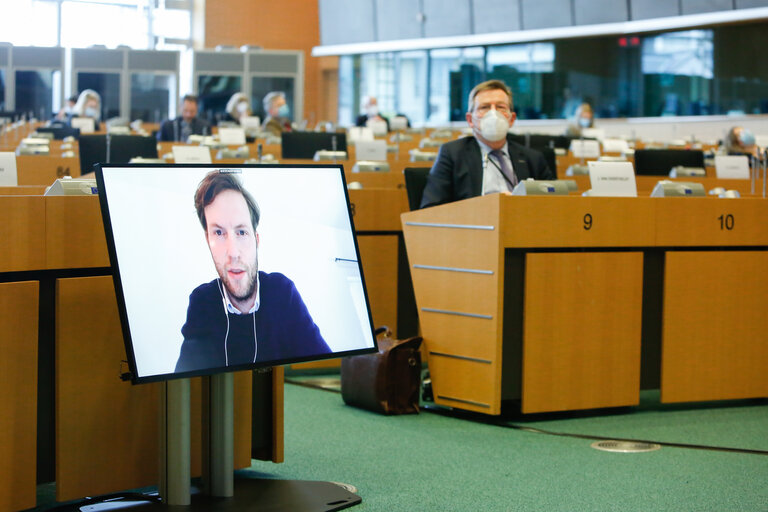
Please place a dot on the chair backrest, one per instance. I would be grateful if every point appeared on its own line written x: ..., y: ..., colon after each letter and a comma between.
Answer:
x: 658, y: 162
x: 415, y: 181
x: 550, y: 158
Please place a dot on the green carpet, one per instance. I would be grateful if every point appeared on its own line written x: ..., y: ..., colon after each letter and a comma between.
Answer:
x: 431, y: 462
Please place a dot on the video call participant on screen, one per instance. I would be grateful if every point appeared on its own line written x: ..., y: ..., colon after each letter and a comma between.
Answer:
x: 245, y: 315
x: 487, y: 162
x: 278, y: 114
x: 88, y: 105
x: 181, y: 128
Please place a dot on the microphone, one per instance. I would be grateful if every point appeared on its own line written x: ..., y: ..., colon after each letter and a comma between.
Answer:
x: 259, y: 150
x: 109, y: 145
x: 333, y: 147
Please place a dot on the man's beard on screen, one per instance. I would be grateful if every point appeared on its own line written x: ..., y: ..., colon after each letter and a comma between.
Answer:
x: 246, y: 288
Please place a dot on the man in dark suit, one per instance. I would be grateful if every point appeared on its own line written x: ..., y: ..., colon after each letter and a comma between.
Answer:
x: 181, y: 128
x: 489, y: 161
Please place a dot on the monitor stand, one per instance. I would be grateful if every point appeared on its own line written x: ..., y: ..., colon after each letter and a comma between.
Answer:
x: 221, y: 491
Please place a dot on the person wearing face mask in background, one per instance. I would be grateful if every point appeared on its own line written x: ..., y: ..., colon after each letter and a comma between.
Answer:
x: 740, y: 141
x: 238, y: 106
x: 88, y: 105
x: 278, y: 114
x: 370, y: 107
x: 489, y: 161
x: 583, y: 118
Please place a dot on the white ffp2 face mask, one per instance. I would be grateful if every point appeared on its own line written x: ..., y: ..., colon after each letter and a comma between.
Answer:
x: 493, y: 126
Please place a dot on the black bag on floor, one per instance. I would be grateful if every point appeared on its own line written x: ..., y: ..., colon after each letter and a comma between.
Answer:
x: 388, y: 381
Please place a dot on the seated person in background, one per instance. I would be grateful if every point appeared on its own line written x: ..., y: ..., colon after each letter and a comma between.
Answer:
x: 88, y: 105
x: 583, y: 118
x: 489, y: 161
x: 278, y: 114
x: 370, y: 107
x: 740, y: 141
x: 244, y: 315
x: 238, y: 106
x: 63, y: 114
x: 181, y: 128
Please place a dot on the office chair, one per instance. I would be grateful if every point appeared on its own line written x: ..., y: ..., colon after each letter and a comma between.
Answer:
x: 415, y: 181
x: 658, y: 162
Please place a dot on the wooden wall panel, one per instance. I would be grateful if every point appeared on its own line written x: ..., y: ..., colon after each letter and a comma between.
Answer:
x: 286, y: 25
x: 18, y: 403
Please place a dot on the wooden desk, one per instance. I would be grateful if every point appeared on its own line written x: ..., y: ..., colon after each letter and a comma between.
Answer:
x: 545, y: 299
x: 98, y: 418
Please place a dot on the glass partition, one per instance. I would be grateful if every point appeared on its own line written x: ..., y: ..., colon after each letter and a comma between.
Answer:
x: 152, y: 97
x: 35, y: 92
x: 214, y: 92
x: 108, y: 86
x: 452, y: 74
x: 2, y: 90
x: 412, y: 85
x: 262, y: 85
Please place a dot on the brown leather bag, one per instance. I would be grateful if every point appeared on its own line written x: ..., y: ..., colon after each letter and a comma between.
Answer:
x: 388, y: 381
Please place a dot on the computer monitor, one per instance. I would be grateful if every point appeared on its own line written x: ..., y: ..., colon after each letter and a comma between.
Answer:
x: 93, y: 149
x: 658, y: 162
x: 221, y: 269
x: 60, y: 131
x: 306, y: 144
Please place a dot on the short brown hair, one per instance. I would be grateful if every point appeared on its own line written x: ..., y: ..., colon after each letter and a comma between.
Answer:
x: 219, y: 181
x: 190, y: 97
x: 488, y: 85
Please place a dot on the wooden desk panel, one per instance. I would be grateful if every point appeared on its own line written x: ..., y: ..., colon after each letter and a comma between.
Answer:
x: 378, y: 209
x: 100, y: 419
x: 44, y: 170
x: 581, y: 340
x: 18, y: 401
x: 107, y: 431
x: 715, y: 327
x: 706, y: 221
x: 22, y: 233
x: 23, y: 190
x: 378, y: 255
x: 570, y: 221
x: 74, y: 232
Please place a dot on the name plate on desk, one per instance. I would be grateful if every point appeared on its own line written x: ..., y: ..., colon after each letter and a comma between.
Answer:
x: 585, y: 148
x: 191, y: 155
x: 612, y: 179
x: 84, y: 124
x: 732, y: 167
x: 359, y: 133
x: 232, y: 136
x: 374, y: 150
x: 8, y: 174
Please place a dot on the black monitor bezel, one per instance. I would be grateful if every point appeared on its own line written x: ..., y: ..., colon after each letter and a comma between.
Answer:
x: 292, y: 145
x: 120, y: 297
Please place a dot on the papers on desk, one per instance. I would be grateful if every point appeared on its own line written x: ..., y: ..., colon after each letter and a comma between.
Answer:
x: 84, y: 124
x: 734, y: 167
x: 612, y: 179
x: 191, y: 154
x: 232, y: 136
x: 359, y: 133
x: 8, y: 174
x: 374, y: 150
x: 585, y: 148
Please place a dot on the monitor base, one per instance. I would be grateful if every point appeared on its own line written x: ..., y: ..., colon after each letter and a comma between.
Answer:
x: 252, y: 494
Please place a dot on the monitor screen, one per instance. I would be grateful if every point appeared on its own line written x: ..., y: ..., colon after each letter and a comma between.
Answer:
x: 306, y: 144
x: 223, y: 269
x: 93, y: 149
x: 658, y: 162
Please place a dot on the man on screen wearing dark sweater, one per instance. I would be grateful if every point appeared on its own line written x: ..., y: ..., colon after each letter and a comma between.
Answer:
x: 244, y: 316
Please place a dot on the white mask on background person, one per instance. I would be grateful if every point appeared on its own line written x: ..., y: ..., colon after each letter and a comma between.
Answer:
x: 91, y: 112
x: 242, y: 107
x: 585, y: 122
x: 372, y: 111
x: 493, y: 126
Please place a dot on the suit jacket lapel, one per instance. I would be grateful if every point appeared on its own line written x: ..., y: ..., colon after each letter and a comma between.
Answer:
x: 473, y: 162
x: 519, y: 163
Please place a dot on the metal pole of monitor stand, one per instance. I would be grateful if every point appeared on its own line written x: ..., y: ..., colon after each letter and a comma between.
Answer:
x: 752, y: 171
x: 218, y: 467
x: 174, y: 443
x: 333, y: 146
x: 108, y: 138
